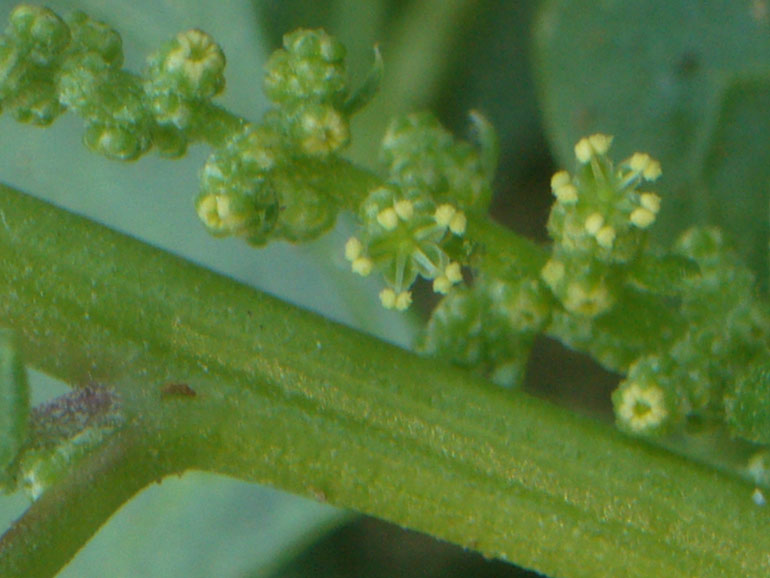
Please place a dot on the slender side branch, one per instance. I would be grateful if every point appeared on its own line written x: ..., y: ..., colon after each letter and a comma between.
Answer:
x: 57, y: 525
x: 284, y: 397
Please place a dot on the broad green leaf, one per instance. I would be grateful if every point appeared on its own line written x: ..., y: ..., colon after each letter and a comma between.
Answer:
x: 669, y: 78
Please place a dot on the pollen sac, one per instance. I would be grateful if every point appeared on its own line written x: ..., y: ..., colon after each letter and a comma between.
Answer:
x: 309, y: 68
x: 420, y: 153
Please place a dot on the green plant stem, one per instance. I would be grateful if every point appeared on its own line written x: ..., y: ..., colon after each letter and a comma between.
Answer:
x: 57, y: 525
x: 287, y: 398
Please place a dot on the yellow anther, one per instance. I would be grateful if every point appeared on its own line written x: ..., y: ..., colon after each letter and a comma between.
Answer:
x: 566, y: 194
x: 583, y: 150
x: 593, y: 223
x: 353, y: 249
x: 553, y: 273
x: 458, y: 223
x: 442, y: 285
x: 207, y: 211
x: 443, y: 215
x: 388, y: 298
x: 646, y: 165
x: 559, y: 179
x: 403, y: 300
x: 596, y: 144
x: 653, y: 170
x: 651, y: 202
x: 642, y: 217
x: 639, y: 161
x: 388, y: 218
x: 453, y: 272
x: 605, y: 236
x: 362, y: 266
x: 600, y: 143
x: 404, y: 209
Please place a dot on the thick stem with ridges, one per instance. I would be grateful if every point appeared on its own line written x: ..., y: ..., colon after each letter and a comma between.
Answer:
x: 287, y: 398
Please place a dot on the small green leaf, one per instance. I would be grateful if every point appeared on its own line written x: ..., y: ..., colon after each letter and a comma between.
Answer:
x: 14, y: 399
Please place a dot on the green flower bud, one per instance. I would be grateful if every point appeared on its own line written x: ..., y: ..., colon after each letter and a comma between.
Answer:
x: 237, y: 197
x: 309, y: 68
x: 30, y: 52
x: 583, y: 287
x: 37, y: 103
x: 39, y: 33
x: 189, y: 69
x: 420, y: 153
x: 95, y: 37
x: 117, y: 122
x: 470, y: 329
x: 80, y: 81
x: 305, y: 213
x: 319, y: 129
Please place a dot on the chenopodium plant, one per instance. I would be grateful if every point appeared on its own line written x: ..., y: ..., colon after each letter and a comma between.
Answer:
x: 683, y: 324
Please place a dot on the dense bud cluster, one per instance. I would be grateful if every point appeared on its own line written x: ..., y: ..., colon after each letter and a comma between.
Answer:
x: 422, y: 154
x: 489, y: 327
x: 308, y: 81
x: 727, y: 330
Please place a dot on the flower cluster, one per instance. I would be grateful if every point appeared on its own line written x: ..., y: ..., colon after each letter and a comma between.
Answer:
x: 405, y: 234
x: 48, y: 65
x: 597, y: 223
x: 185, y: 73
x: 415, y: 224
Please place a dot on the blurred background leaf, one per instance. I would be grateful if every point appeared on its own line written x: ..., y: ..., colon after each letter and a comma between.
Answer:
x: 686, y: 81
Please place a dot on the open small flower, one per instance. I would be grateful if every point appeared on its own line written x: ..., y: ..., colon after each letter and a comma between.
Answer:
x: 641, y: 408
